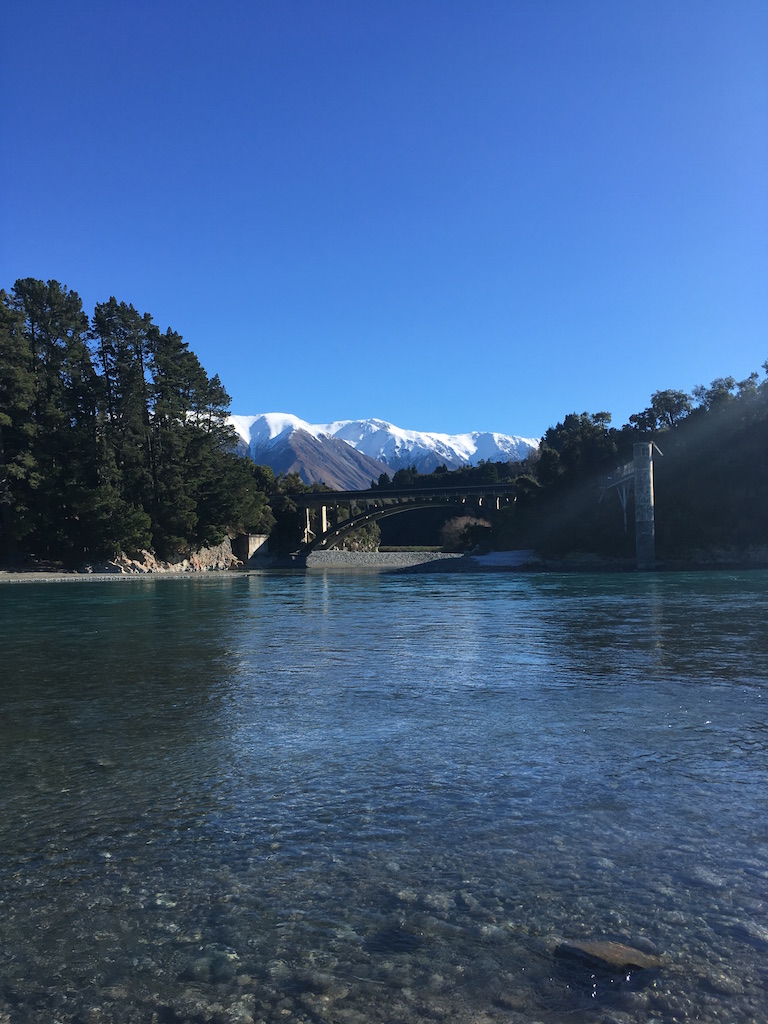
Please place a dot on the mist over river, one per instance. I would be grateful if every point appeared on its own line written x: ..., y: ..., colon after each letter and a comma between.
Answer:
x: 381, y: 797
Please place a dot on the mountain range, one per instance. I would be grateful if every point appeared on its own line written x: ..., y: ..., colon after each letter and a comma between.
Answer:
x: 349, y: 454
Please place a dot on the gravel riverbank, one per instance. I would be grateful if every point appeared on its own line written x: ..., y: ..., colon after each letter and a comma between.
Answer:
x: 420, y: 561
x: 378, y: 560
x: 343, y: 561
x: 384, y: 561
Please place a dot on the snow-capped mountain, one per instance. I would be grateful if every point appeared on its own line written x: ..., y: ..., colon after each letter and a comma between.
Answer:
x: 322, y: 451
x: 426, y: 450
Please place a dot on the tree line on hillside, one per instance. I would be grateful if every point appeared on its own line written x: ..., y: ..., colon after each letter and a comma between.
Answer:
x: 112, y: 435
x: 485, y: 472
x: 710, y: 466
x: 710, y: 469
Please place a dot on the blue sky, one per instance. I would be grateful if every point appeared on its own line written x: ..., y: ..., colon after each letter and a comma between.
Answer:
x: 450, y: 215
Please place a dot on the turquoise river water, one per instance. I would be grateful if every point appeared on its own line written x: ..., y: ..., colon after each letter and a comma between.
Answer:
x: 370, y: 797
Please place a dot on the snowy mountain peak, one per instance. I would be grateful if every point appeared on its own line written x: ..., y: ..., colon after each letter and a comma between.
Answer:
x: 382, y: 446
x: 268, y: 426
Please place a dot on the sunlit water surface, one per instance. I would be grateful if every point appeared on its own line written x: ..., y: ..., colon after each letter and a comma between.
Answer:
x: 354, y: 798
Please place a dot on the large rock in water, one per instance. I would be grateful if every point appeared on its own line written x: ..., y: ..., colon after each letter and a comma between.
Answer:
x: 614, y: 956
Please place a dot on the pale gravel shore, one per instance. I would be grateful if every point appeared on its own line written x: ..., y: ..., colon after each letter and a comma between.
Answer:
x: 349, y: 561
x: 103, y: 577
x: 376, y: 560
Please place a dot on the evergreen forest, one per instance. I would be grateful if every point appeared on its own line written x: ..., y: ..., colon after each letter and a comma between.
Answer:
x: 113, y: 437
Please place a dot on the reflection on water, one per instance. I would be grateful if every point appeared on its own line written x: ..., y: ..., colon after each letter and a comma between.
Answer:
x: 378, y: 798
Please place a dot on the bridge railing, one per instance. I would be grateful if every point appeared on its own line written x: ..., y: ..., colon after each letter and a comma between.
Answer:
x: 401, y: 494
x: 618, y: 476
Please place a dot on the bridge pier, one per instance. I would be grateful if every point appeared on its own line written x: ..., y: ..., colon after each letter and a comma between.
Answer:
x: 645, y: 529
x: 308, y: 534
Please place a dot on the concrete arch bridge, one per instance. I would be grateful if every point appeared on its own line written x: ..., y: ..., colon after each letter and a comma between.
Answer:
x: 338, y: 513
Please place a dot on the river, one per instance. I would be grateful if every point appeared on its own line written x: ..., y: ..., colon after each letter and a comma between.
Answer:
x: 368, y: 797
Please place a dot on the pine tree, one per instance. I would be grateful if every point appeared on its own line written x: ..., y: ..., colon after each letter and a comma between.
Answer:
x: 122, y: 339
x: 62, y: 426
x: 18, y: 470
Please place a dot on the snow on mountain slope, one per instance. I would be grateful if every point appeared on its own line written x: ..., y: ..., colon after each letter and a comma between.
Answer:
x: 267, y: 426
x: 382, y: 442
x: 398, y: 447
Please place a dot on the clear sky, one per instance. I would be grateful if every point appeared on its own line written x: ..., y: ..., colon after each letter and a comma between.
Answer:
x: 475, y: 215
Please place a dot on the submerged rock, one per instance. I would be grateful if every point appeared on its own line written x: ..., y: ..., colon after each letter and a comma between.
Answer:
x: 601, y: 972
x: 614, y: 956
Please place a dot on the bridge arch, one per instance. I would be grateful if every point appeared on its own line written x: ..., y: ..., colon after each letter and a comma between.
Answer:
x: 380, y: 503
x: 334, y: 534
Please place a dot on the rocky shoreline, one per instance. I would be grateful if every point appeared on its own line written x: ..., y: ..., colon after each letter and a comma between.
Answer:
x: 221, y: 559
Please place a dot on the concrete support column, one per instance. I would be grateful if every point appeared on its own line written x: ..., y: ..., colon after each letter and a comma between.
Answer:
x: 322, y: 520
x: 645, y: 530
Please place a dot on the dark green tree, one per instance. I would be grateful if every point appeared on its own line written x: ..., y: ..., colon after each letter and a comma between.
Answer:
x: 405, y: 477
x: 718, y: 395
x: 63, y: 422
x: 18, y: 469
x: 123, y: 344
x: 575, y: 448
x: 669, y: 407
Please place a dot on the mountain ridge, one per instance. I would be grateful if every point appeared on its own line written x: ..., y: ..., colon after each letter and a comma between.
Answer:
x: 349, y: 454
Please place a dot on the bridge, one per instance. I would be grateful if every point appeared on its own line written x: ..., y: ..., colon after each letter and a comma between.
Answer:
x: 338, y: 513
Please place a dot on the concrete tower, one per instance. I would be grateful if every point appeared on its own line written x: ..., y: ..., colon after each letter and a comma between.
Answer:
x: 645, y: 530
